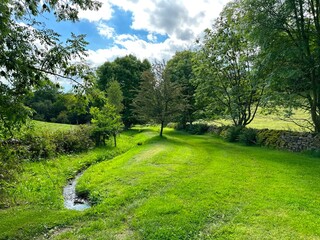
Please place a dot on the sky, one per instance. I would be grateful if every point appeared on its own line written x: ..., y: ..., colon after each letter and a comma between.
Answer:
x: 148, y: 29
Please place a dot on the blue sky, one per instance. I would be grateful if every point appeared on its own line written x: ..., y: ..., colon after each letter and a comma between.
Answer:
x: 148, y: 29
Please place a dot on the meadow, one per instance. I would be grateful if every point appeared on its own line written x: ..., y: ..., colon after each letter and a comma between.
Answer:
x: 276, y: 121
x: 177, y: 187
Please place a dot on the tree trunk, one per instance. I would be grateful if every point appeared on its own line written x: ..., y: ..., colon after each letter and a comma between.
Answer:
x: 161, y: 129
x: 115, y: 139
x: 315, y: 119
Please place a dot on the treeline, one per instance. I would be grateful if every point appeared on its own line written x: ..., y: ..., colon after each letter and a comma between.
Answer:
x: 256, y: 54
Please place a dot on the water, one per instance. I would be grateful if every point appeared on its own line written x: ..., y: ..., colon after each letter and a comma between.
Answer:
x: 71, y: 200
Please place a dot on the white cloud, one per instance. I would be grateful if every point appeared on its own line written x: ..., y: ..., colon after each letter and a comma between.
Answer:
x: 105, y: 30
x: 104, y: 13
x: 182, y: 21
x: 127, y: 44
x: 151, y: 37
x: 182, y: 18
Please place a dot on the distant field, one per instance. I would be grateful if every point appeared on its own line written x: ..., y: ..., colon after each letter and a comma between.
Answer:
x: 52, y: 127
x: 273, y: 121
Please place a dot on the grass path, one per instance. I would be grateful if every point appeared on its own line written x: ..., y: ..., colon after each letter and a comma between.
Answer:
x: 190, y: 187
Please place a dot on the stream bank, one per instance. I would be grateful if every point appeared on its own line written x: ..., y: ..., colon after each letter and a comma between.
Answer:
x: 71, y: 200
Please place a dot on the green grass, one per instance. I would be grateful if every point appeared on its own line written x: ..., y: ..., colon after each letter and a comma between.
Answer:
x: 51, y: 127
x: 274, y: 121
x: 178, y: 187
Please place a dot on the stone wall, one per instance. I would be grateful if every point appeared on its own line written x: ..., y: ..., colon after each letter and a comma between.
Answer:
x: 280, y: 139
x: 299, y: 141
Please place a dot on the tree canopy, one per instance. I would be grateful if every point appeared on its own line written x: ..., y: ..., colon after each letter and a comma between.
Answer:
x: 159, y: 99
x: 288, y: 34
x: 30, y: 52
x: 227, y: 84
x: 127, y: 71
x: 179, y: 70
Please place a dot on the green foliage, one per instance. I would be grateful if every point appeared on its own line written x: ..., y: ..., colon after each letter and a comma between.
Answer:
x: 127, y: 72
x: 106, y: 122
x: 73, y: 141
x: 25, y: 64
x: 196, y: 128
x: 38, y: 146
x: 225, y: 70
x: 290, y: 51
x: 231, y: 134
x: 248, y: 136
x: 115, y: 96
x: 9, y: 165
x: 52, y: 105
x: 179, y: 70
x: 270, y: 138
x: 159, y: 99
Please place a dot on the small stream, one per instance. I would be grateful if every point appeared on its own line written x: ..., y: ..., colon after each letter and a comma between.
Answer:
x: 71, y: 200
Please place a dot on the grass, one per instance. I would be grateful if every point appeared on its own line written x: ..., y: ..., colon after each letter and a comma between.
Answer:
x: 51, y: 127
x: 177, y: 187
x: 274, y: 121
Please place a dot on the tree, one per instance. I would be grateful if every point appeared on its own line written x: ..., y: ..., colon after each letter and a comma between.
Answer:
x: 127, y: 72
x: 30, y: 52
x: 179, y: 69
x: 158, y: 98
x: 115, y: 96
x: 225, y: 72
x: 288, y: 33
x: 107, y: 122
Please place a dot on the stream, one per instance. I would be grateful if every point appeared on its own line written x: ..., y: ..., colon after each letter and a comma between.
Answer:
x: 71, y: 200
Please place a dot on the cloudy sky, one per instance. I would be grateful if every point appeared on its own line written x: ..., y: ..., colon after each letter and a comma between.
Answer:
x: 151, y: 29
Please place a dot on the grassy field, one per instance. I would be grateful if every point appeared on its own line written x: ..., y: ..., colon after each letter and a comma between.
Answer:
x: 274, y: 121
x: 178, y: 187
x: 51, y: 127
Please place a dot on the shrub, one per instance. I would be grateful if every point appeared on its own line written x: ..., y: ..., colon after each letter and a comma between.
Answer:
x: 9, y: 165
x: 38, y: 146
x: 248, y: 136
x: 197, y: 128
x: 232, y: 133
x: 179, y: 126
x: 73, y: 141
x: 270, y: 138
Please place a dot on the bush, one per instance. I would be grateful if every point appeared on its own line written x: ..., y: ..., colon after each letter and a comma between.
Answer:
x: 232, y: 133
x: 178, y: 126
x: 270, y: 138
x: 9, y: 165
x: 73, y: 141
x: 248, y: 136
x: 38, y: 146
x: 197, y: 128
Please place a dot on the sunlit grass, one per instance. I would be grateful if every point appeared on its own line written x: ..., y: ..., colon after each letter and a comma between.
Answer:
x: 275, y: 121
x: 177, y: 187
x: 51, y: 127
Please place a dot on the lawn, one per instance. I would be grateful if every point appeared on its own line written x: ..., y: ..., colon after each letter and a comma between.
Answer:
x: 177, y: 187
x: 51, y: 127
x: 275, y: 121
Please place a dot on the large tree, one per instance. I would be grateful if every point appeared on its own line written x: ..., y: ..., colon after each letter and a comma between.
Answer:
x: 30, y: 53
x: 179, y: 69
x: 288, y: 33
x: 225, y: 74
x: 127, y: 71
x: 159, y: 99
